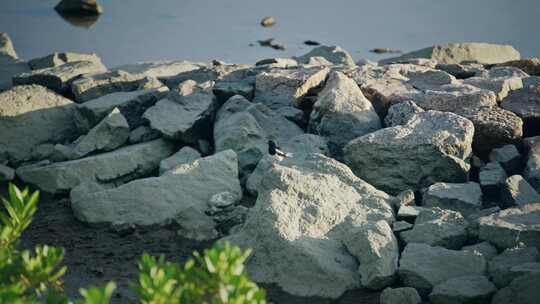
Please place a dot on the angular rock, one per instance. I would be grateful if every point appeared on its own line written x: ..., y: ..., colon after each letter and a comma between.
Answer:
x: 143, y: 134
x: 113, y: 167
x: 485, y: 249
x: 226, y: 89
x: 9, y: 68
x: 456, y: 98
x: 424, y: 267
x: 526, y: 104
x: 516, y: 191
x: 505, y: 229
x: 296, y: 229
x: 184, y: 156
x: 131, y: 104
x: 333, y: 54
x: 402, y: 295
x: 94, y: 86
x: 186, y: 115
x: 59, y: 78
x: 459, y: 52
x: 500, y: 267
x: 492, y: 176
x: 155, y: 200
x: 6, y: 46
x: 461, y: 71
x: 463, y: 198
x: 430, y: 148
x: 401, y: 113
x: 285, y: 87
x: 111, y: 133
x: 58, y: 59
x: 501, y: 85
x: 509, y: 158
x: 341, y: 112
x: 532, y: 170
x: 438, y: 227
x: 6, y: 173
x: 409, y: 213
x: 406, y: 198
x: 160, y: 69
x: 469, y: 289
x: 33, y: 115
x: 79, y: 7
x: 523, y: 290
x: 530, y: 66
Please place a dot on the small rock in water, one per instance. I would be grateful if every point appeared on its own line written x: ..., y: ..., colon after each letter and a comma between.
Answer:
x: 311, y: 42
x: 385, y: 50
x: 268, y: 21
x: 79, y: 7
x: 270, y: 43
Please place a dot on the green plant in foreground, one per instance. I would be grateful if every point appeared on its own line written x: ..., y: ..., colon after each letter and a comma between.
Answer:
x: 215, y: 277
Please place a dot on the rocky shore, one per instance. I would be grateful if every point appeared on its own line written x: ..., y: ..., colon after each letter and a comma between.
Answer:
x: 417, y: 177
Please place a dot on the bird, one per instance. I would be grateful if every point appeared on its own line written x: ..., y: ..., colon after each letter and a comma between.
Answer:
x: 273, y: 149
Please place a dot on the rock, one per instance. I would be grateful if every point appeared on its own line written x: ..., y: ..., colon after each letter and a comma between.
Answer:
x: 296, y: 229
x: 268, y: 21
x: 463, y: 198
x: 225, y: 72
x: 456, y: 98
x: 271, y: 43
x: 532, y: 169
x: 143, y: 134
x: 184, y: 156
x: 79, y: 7
x: 424, y: 267
x: 6, y: 46
x: 58, y: 59
x: 6, y: 173
x: 226, y: 89
x: 341, y: 112
x: 307, y: 144
x: 474, y: 225
x: 409, y: 213
x: 523, y: 290
x: 485, y: 249
x: 113, y: 167
x: 318, y: 61
x: 160, y: 69
x: 376, y: 248
x: 494, y: 127
x: 401, y: 226
x: 491, y: 178
x: 438, y: 227
x: 195, y: 224
x: 277, y: 62
x: 186, y: 115
x: 469, y: 289
x: 9, y: 68
x: 154, y: 200
x: 460, y: 52
x: 94, y: 86
x: 111, y: 133
x: 461, y: 71
x: 506, y: 228
x: 334, y: 54
x: 526, y: 104
x: 516, y: 191
x: 500, y: 267
x: 429, y: 79
x: 59, y: 78
x: 33, y: 115
x: 62, y: 153
x: 402, y: 295
x: 430, y: 148
x: 295, y: 115
x: 131, y: 104
x: 285, y: 87
x: 501, y: 86
x: 509, y: 158
x: 530, y: 66
x: 401, y: 113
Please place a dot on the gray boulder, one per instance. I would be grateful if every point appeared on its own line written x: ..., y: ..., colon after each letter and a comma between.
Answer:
x: 522, y: 290
x: 402, y: 295
x: 186, y: 115
x: 516, y: 191
x: 114, y: 167
x: 530, y: 66
x: 306, y: 144
x: 30, y: 116
x: 468, y: 289
x: 143, y: 134
x: 184, y: 156
x: 459, y: 52
x: 532, y: 170
x: 509, y: 158
x: 160, y: 69
x: 431, y: 147
x: 491, y: 177
x: 500, y: 267
x: 424, y: 267
x: 485, y: 249
x: 456, y: 98
x: 58, y: 59
x: 464, y: 198
x: 526, y: 104
x: 131, y: 104
x: 505, y: 229
x: 182, y: 193
x: 59, y: 78
x: 341, y: 112
x: 333, y: 54
x: 297, y: 229
x: 401, y: 113
x: 438, y: 227
x: 501, y: 86
x: 111, y: 133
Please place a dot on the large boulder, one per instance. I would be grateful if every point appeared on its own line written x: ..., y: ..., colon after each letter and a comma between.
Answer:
x: 401, y: 113
x: 333, y: 54
x: 187, y: 189
x: 187, y: 114
x: 431, y: 147
x: 530, y: 66
x: 522, y: 290
x: 468, y: 289
x: 94, y: 86
x: 113, y: 167
x: 297, y: 229
x: 509, y: 158
x: 505, y: 229
x: 30, y: 116
x: 456, y: 98
x: 58, y: 59
x: 516, y: 191
x: 59, y: 78
x: 131, y: 104
x: 459, y: 52
x: 500, y: 267
x: 465, y: 198
x: 341, y: 112
x: 278, y: 88
x: 526, y: 104
x: 424, y: 267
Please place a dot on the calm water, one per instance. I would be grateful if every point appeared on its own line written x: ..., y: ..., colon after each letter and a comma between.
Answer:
x: 137, y: 30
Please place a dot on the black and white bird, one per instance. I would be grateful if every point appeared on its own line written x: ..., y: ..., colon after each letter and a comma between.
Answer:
x: 273, y: 149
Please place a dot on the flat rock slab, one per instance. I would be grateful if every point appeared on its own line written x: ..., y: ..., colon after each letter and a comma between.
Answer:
x: 30, y: 116
x: 113, y: 167
x: 58, y: 59
x: 401, y: 113
x: 465, y: 198
x: 468, y: 289
x: 530, y: 66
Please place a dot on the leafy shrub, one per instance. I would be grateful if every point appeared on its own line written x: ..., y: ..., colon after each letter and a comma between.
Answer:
x: 216, y: 277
